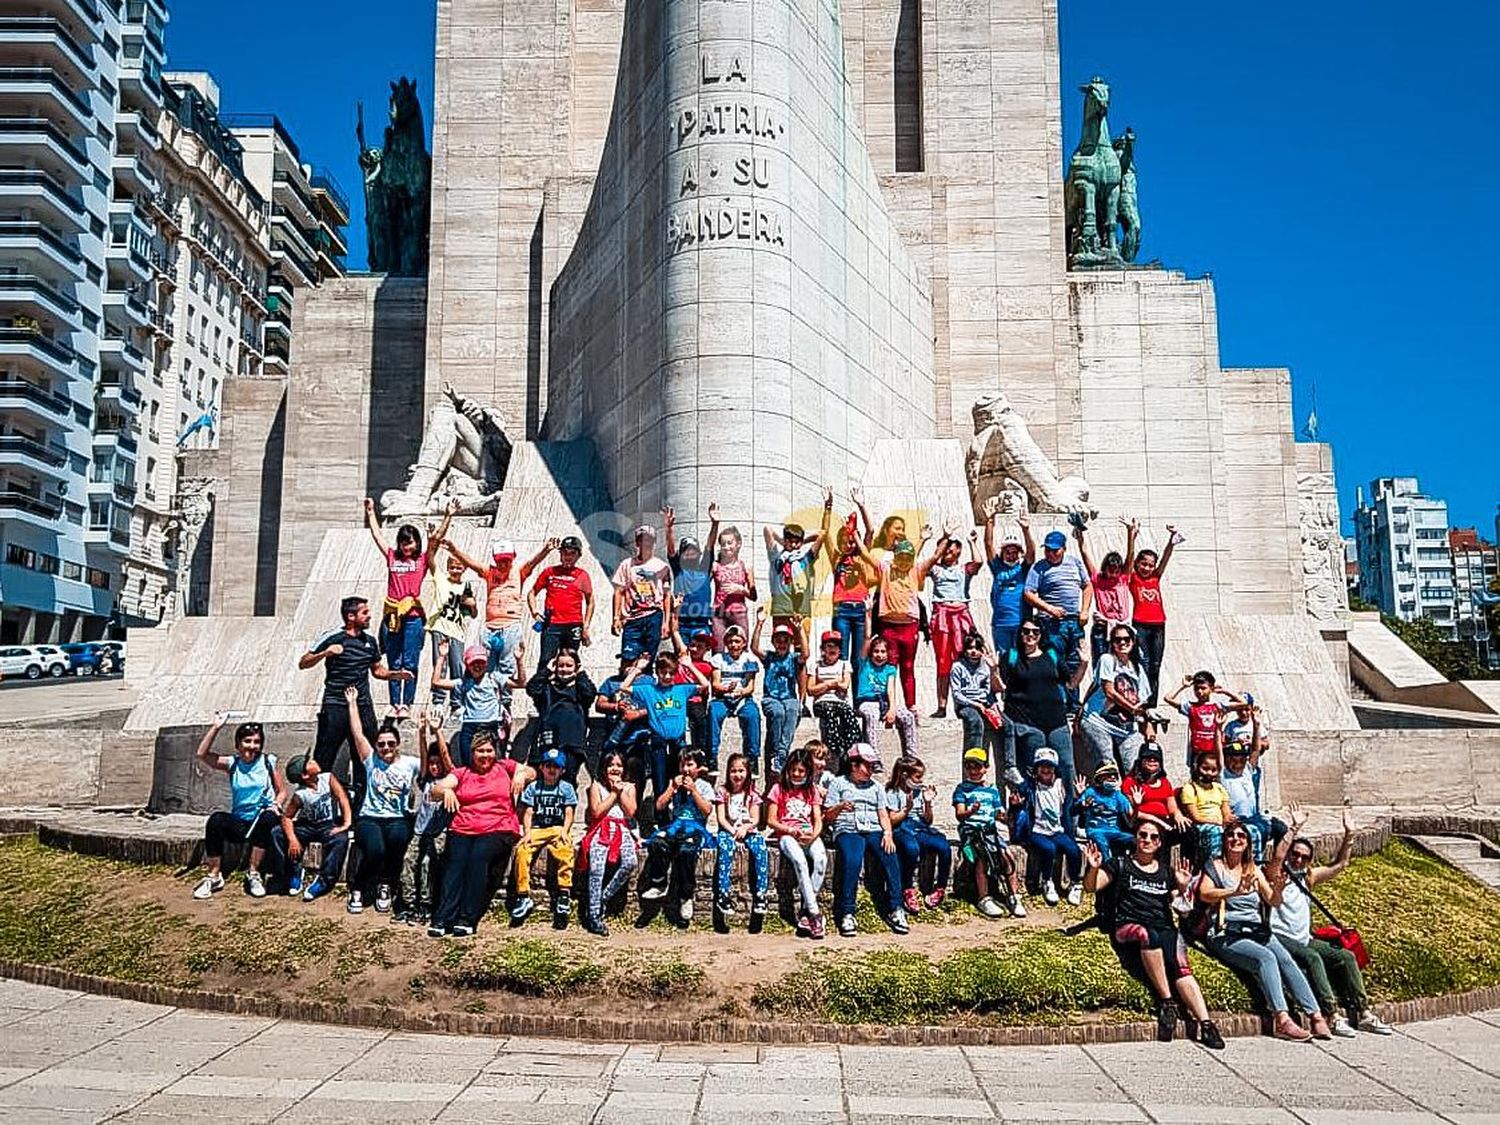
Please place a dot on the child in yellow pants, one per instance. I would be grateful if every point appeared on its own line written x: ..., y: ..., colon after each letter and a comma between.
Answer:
x: 548, y: 806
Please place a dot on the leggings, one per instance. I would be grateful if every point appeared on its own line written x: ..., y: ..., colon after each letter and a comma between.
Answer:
x: 915, y: 840
x: 403, y: 652
x: 421, y: 871
x: 222, y: 828
x: 1048, y: 848
x: 1272, y: 965
x: 838, y: 726
x: 600, y: 891
x: 902, y: 638
x: 382, y: 842
x: 1151, y: 643
x: 856, y: 849
x: 760, y: 862
x: 810, y: 864
x: 873, y: 711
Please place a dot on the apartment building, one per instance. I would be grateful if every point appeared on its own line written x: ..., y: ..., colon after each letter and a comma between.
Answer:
x: 1475, y: 569
x: 1405, y: 566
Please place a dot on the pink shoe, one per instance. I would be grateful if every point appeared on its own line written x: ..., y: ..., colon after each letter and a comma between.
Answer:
x: 912, y: 900
x: 816, y: 928
x: 935, y: 899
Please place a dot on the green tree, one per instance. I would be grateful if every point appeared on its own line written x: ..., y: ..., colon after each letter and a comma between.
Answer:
x: 1454, y: 659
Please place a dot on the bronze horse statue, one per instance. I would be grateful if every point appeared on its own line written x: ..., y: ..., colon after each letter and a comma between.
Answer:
x: 398, y: 187
x: 1093, y: 188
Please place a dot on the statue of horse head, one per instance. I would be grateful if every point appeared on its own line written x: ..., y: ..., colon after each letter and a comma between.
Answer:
x: 406, y: 111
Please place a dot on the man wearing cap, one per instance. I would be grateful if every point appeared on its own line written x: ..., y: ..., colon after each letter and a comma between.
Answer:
x: 548, y: 806
x: 568, y: 594
x: 503, y: 603
x: 316, y: 811
x: 692, y: 578
x: 642, y: 585
x: 1061, y: 600
x: 1008, y: 570
x: 792, y: 556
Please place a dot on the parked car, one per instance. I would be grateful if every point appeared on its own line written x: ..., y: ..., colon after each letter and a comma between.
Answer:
x: 90, y: 658
x: 33, y: 661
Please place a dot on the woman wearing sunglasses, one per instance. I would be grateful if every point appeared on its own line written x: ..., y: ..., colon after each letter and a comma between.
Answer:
x: 1036, y: 704
x: 381, y: 831
x: 1133, y: 897
x: 1238, y: 895
x: 1113, y: 731
x: 255, y: 792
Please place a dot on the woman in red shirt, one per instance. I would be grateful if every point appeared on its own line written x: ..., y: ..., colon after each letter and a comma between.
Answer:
x: 1149, y: 616
x: 481, y: 799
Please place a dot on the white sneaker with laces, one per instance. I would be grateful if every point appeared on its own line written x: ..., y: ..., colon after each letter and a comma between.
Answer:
x: 1049, y: 893
x: 989, y: 907
x: 255, y: 886
x: 1375, y: 1025
x: 1342, y: 1028
x: 208, y: 886
x: 356, y: 903
x: 687, y: 910
x: 1075, y: 894
x: 1017, y: 907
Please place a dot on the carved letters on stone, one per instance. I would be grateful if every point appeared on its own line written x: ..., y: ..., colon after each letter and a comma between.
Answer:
x: 1323, y: 580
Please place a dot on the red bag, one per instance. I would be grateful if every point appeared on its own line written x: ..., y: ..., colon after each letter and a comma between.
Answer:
x: 1349, y: 938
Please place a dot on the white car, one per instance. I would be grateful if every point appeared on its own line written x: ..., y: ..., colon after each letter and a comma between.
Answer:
x: 34, y: 661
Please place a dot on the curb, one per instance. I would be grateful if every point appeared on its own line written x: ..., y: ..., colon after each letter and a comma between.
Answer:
x: 601, y: 1028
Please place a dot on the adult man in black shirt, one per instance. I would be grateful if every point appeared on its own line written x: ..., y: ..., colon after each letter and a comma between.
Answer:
x: 1036, y: 712
x: 349, y: 657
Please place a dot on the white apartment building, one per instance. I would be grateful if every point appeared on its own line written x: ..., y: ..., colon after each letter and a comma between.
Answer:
x: 79, y: 90
x: 1475, y: 568
x: 1405, y: 566
x: 211, y: 257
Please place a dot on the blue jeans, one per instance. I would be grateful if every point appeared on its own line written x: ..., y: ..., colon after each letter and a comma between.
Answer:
x: 760, y: 863
x: 1048, y: 848
x: 382, y: 844
x: 914, y: 839
x: 1065, y: 635
x: 503, y: 643
x: 1272, y: 966
x: 672, y: 850
x: 334, y: 847
x: 748, y: 713
x: 403, y: 651
x: 977, y: 731
x: 782, y: 717
x: 1004, y: 637
x: 1029, y: 740
x: 855, y: 849
x: 849, y: 623
x: 1110, y: 841
x: 661, y: 759
x: 641, y: 637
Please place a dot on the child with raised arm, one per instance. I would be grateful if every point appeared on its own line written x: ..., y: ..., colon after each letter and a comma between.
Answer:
x: 911, y: 800
x: 403, y: 618
x: 1206, y: 716
x: 1148, y: 612
x: 643, y: 591
x: 692, y: 572
x: 785, y: 685
x: 737, y: 809
x: 610, y: 839
x: 984, y: 837
x: 1008, y: 568
x: 683, y: 810
x: 503, y: 603
x: 794, y: 811
x: 792, y: 556
x: 951, y: 620
x: 1111, y: 582
x: 734, y: 585
x: 421, y: 870
x: 853, y: 580
x: 548, y: 806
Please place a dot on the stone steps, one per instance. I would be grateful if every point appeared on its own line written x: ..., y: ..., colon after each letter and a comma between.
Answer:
x: 1469, y: 854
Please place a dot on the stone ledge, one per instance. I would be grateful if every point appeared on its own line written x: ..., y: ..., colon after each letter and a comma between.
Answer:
x: 666, y: 1030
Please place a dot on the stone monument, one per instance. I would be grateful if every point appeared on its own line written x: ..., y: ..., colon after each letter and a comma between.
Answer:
x: 462, y: 462
x: 398, y: 187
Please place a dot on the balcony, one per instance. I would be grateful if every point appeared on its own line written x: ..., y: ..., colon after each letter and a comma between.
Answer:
x: 132, y: 171
x: 42, y: 140
x: 84, y: 11
x: 14, y: 502
x: 38, y: 243
x: 289, y: 192
x: 45, y: 460
x: 136, y: 126
x: 115, y: 434
x: 323, y: 183
x: 42, y: 85
x: 124, y: 491
x: 28, y: 288
x: 51, y: 38
x: 44, y: 193
x: 117, y: 347
x: 24, y: 396
x: 29, y: 343
x: 140, y: 76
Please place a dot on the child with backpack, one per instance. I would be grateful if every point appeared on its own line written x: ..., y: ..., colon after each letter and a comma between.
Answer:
x: 984, y: 837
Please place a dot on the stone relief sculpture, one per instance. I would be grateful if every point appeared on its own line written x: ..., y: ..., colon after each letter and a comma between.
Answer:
x: 464, y: 455
x: 398, y: 186
x: 1129, y: 211
x: 1323, y: 581
x: 1004, y: 461
x: 1093, y: 188
x: 195, y: 504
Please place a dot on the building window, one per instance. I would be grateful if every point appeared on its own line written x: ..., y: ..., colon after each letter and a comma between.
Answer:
x: 72, y: 572
x: 17, y: 555
x: 98, y: 579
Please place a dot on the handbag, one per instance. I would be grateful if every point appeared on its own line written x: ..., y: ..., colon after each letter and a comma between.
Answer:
x: 1335, y: 933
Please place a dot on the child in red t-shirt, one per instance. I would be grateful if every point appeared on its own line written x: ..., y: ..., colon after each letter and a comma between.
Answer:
x: 1149, y: 616
x: 1150, y: 790
x: 1206, y: 716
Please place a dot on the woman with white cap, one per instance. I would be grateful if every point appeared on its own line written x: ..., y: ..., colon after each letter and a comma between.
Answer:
x: 1008, y: 567
x: 503, y: 604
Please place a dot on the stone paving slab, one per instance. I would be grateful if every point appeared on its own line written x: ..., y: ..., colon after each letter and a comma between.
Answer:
x: 92, y: 1059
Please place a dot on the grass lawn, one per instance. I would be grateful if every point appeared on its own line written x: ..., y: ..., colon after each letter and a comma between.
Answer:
x: 1429, y: 930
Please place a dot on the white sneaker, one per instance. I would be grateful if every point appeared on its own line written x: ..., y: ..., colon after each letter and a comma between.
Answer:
x: 687, y: 910
x: 356, y: 904
x: 1017, y: 907
x: 383, y: 899
x: 1375, y: 1025
x: 1075, y: 894
x: 208, y: 886
x: 1341, y: 1027
x: 990, y: 908
x: 255, y: 886
x: 1049, y: 893
x: 653, y: 892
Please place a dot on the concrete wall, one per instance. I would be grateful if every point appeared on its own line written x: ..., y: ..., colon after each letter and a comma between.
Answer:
x: 247, y: 496
x: 81, y: 765
x: 1400, y: 769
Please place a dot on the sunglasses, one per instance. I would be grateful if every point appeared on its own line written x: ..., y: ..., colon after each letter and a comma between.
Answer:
x: 1031, y: 632
x: 1145, y: 836
x: 1119, y: 640
x: 386, y: 743
x: 1237, y: 835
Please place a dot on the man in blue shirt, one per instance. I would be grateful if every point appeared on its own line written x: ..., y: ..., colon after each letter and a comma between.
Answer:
x: 1061, y: 600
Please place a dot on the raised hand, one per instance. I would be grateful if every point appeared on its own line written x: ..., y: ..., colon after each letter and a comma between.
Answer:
x: 828, y: 496
x: 668, y: 515
x: 857, y: 494
x: 1348, y: 819
x: 713, y: 511
x: 553, y: 543
x: 1093, y: 856
x: 1023, y: 519
x: 927, y: 531
x: 369, y: 506
x: 991, y: 507
x: 452, y: 508
x: 1182, y: 871
x: 760, y: 613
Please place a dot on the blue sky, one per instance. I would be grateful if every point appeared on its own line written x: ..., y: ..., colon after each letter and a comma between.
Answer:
x: 1328, y: 164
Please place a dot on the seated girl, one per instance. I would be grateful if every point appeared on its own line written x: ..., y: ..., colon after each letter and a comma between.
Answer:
x: 1205, y: 803
x: 794, y: 811
x: 876, y: 698
x: 910, y: 800
x: 609, y: 840
x: 255, y: 791
x: 829, y: 683
x: 737, y: 808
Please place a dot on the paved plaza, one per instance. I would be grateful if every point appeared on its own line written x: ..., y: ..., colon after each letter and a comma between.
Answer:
x: 67, y: 1056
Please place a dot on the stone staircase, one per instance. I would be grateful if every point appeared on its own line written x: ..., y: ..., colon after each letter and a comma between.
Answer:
x: 1470, y: 854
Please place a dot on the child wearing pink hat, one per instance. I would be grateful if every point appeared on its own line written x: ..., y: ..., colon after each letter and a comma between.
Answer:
x: 483, y: 694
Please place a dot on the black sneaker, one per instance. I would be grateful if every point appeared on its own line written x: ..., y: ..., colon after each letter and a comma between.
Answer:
x: 1166, y: 1020
x: 521, y: 910
x: 463, y: 931
x: 1208, y: 1035
x: 758, y: 904
x: 724, y: 904
x: 562, y: 910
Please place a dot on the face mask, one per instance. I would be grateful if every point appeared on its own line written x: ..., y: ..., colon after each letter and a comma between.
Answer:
x: 1109, y: 785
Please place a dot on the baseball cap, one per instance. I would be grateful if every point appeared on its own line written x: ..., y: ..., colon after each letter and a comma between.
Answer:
x: 1108, y: 769
x: 688, y: 543
x: 554, y: 757
x: 1011, y: 539
x: 784, y: 631
x: 701, y: 635
x: 734, y: 631
x: 476, y: 652
x: 831, y: 636
x: 903, y: 547
x: 1055, y: 541
x: 645, y: 529
x: 571, y: 543
x: 296, y: 768
x: 1151, y: 750
x: 863, y: 752
x: 1046, y: 756
x: 976, y: 754
x: 502, y: 548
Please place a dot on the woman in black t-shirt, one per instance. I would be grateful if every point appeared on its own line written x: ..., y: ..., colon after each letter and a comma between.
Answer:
x: 1036, y: 708
x: 1134, y: 906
